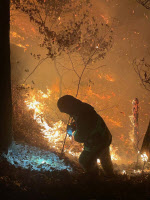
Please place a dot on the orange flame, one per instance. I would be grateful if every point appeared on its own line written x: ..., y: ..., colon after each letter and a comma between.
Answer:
x: 105, y: 19
x: 16, y: 35
x: 107, y: 77
x: 91, y: 93
x: 114, y: 123
x: 55, y: 133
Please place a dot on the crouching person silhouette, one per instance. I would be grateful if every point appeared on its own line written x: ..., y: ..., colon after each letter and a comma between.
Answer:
x: 90, y: 130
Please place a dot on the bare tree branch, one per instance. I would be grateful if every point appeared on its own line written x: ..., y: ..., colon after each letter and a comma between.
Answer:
x: 38, y: 12
x: 73, y: 66
x: 96, y: 67
x: 85, y: 65
x: 143, y: 71
x: 60, y: 78
x: 64, y: 66
x: 40, y: 62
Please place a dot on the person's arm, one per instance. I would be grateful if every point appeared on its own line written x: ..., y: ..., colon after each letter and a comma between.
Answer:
x: 78, y: 137
x: 82, y: 131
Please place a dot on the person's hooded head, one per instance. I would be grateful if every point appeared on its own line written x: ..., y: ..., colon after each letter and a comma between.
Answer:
x: 71, y: 105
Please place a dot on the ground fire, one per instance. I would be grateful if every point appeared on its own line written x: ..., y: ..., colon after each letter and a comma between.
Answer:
x: 42, y: 105
x: 53, y: 132
x: 97, y: 52
x: 37, y: 106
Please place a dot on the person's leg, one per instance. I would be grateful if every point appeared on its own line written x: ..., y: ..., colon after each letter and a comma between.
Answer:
x: 88, y: 161
x: 106, y: 162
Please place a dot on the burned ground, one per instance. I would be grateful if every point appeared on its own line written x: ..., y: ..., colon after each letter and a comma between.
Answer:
x: 113, y: 87
x: 19, y: 183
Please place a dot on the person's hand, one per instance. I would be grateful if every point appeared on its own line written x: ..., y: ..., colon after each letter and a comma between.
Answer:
x: 71, y: 128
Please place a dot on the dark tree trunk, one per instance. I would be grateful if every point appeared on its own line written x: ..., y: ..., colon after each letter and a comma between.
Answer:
x: 5, y: 80
x: 146, y: 142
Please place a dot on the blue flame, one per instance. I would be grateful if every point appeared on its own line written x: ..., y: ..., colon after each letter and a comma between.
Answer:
x: 33, y: 158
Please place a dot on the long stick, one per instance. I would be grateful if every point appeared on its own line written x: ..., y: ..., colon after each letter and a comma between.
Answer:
x: 62, y: 151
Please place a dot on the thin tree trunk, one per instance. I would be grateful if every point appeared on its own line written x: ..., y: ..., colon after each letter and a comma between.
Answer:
x: 5, y: 80
x: 135, y: 111
x: 60, y: 78
x: 146, y: 142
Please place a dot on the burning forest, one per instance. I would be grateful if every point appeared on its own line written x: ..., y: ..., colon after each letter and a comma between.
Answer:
x: 97, y: 52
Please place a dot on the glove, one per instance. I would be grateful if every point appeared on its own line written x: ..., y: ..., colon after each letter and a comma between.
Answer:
x: 71, y: 128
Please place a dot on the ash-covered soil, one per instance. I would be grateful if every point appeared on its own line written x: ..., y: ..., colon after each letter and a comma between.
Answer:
x: 19, y: 183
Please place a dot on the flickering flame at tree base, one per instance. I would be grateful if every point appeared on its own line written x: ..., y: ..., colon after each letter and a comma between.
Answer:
x: 144, y: 157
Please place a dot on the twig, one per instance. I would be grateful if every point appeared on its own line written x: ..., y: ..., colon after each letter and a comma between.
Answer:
x: 62, y: 151
x: 95, y: 68
x: 137, y: 70
x: 60, y: 78
x: 85, y: 65
x: 40, y: 62
x: 64, y: 66
x: 73, y: 66
x: 38, y: 13
x: 45, y: 18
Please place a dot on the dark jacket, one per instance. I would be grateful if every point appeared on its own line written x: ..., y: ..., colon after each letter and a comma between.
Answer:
x: 91, y: 128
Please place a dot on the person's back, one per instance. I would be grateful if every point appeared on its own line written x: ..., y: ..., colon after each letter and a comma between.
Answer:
x: 90, y: 126
x: 86, y: 120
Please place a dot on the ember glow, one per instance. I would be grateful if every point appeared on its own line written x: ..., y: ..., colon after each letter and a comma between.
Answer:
x: 107, y: 77
x: 101, y: 97
x: 16, y: 35
x: 137, y: 171
x: 105, y: 19
x: 144, y: 157
x: 113, y: 152
x: 114, y: 155
x: 123, y: 172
